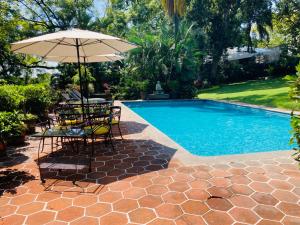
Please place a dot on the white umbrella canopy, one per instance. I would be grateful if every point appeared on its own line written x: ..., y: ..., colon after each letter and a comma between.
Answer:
x: 89, y: 59
x: 65, y: 43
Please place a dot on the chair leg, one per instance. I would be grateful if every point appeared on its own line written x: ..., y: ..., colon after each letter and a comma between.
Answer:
x: 43, y: 144
x: 51, y: 144
x: 111, y: 142
x: 120, y: 130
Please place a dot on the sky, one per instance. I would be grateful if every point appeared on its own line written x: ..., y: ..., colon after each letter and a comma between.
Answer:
x: 100, y: 6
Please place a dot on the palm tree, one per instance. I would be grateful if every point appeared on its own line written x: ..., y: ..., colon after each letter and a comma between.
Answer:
x: 175, y: 10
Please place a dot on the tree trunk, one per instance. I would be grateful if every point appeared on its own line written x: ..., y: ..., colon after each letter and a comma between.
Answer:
x: 249, y: 40
x: 214, y: 68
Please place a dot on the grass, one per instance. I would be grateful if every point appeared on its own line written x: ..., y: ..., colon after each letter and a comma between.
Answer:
x: 271, y: 93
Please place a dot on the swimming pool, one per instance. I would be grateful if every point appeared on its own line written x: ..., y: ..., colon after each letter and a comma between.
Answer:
x: 209, y: 128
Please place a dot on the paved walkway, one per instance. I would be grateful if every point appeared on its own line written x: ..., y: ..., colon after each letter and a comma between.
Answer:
x: 149, y: 179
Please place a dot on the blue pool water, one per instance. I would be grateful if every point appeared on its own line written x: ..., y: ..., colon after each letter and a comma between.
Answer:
x: 208, y: 128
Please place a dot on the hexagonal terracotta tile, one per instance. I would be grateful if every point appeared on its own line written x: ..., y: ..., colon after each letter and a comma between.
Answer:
x: 219, y: 192
x: 114, y: 218
x: 59, y: 204
x: 13, y: 220
x: 290, y: 209
x: 7, y: 210
x: 268, y: 222
x: 174, y: 197
x: 98, y: 209
x: 161, y: 222
x: 85, y: 200
x: 22, y: 199
x: 197, y: 194
x: 194, y: 207
x: 85, y: 220
x: 125, y: 205
x: 290, y: 220
x: 279, y: 184
x: 241, y: 189
x: 40, y: 218
x: 110, y: 196
x: 242, y: 201
x: 178, y: 186
x: 268, y: 212
x: 261, y: 187
x: 48, y: 196
x: 30, y: 208
x: 219, y: 204
x: 264, y: 198
x: 141, y: 215
x: 70, y: 213
x: 199, y: 184
x: 217, y: 218
x: 141, y: 182
x: 285, y: 196
x: 187, y: 219
x: 244, y: 215
x: 150, y: 201
x: 156, y: 189
x: 220, y: 182
x: 168, y: 211
x: 134, y: 193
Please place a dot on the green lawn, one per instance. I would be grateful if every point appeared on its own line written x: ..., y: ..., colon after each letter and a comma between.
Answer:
x: 272, y: 93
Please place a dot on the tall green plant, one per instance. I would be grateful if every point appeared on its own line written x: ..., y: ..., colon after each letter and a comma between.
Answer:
x: 295, y: 119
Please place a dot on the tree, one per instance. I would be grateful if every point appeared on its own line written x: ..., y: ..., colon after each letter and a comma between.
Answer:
x: 287, y: 19
x: 219, y: 21
x: 175, y: 10
x: 258, y: 12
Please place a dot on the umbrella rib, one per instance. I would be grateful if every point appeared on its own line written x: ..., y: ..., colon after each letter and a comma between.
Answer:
x: 82, y: 48
x: 53, y: 47
x: 25, y: 46
x: 109, y: 46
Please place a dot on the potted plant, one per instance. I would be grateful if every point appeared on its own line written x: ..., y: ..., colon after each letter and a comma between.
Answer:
x: 12, y: 129
x: 30, y: 121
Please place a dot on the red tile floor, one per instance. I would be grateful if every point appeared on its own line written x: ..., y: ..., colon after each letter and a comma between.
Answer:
x: 148, y: 181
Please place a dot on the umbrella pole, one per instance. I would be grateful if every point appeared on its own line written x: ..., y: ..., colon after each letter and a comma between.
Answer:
x: 86, y: 87
x: 80, y: 79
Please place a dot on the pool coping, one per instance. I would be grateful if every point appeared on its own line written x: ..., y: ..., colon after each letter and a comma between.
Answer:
x: 189, y: 158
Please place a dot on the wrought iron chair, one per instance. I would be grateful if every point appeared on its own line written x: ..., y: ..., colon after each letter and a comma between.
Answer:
x: 115, y: 112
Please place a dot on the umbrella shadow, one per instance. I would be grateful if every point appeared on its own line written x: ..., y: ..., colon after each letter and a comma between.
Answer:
x: 130, y: 158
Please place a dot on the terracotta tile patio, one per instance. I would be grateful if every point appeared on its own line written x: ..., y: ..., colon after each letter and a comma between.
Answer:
x: 149, y: 179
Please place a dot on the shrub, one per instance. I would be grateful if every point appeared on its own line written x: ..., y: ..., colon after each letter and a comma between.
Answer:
x: 10, y: 125
x: 10, y: 98
x: 295, y: 119
x: 33, y: 98
x: 38, y: 98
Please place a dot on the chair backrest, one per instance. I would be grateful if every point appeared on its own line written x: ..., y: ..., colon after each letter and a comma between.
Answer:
x: 115, y: 112
x: 78, y: 94
x: 68, y: 113
x: 73, y: 95
x: 44, y: 125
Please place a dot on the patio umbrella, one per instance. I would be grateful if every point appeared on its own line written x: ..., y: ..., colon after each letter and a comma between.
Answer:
x: 89, y: 59
x: 74, y: 43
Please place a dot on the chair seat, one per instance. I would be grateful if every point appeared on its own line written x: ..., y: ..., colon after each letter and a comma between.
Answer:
x: 100, y: 131
x: 114, y: 121
x: 72, y: 122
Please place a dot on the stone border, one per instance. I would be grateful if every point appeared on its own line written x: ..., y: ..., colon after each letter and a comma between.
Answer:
x: 190, y: 159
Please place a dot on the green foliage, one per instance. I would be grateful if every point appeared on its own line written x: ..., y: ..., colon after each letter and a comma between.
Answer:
x: 38, y: 98
x: 10, y: 98
x: 11, y: 125
x: 295, y: 119
x: 33, y: 98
